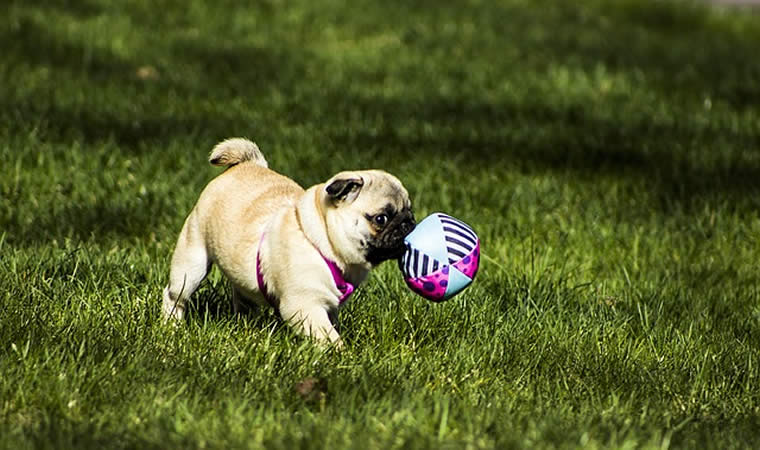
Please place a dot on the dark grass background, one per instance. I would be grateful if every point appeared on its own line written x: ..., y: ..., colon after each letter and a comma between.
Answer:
x: 608, y: 154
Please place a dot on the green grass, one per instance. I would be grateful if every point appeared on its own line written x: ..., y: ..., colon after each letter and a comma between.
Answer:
x: 608, y: 154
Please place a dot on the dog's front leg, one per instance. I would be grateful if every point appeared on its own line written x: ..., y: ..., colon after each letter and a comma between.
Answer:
x: 312, y: 321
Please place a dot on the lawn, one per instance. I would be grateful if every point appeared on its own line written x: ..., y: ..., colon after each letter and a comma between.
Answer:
x: 607, y: 153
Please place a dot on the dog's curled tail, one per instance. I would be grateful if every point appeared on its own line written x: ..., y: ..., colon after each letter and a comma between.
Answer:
x: 235, y: 151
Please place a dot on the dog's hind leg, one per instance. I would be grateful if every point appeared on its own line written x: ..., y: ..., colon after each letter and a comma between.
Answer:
x: 190, y: 264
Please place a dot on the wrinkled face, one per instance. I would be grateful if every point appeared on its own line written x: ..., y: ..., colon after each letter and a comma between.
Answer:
x: 368, y: 216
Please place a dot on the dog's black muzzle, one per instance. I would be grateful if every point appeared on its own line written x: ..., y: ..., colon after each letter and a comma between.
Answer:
x: 389, y: 244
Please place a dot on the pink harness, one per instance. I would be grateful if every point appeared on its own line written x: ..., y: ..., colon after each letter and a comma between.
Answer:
x: 345, y: 288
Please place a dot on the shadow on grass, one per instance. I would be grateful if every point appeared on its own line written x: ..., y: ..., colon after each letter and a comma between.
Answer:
x: 213, y: 300
x: 30, y: 43
x: 678, y: 47
x: 539, y: 136
x: 122, y: 106
x: 79, y: 8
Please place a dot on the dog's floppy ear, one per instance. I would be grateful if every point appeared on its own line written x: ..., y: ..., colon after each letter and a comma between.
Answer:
x: 344, y: 187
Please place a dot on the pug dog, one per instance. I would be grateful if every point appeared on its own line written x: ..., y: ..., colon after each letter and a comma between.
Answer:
x: 299, y: 251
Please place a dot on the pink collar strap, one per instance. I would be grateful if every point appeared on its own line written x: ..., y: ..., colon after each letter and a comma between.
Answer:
x: 345, y: 288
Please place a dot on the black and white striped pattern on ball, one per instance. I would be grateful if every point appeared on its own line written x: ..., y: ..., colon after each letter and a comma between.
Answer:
x: 417, y: 264
x: 460, y: 238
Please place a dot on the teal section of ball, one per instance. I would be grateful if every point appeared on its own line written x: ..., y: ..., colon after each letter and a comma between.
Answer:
x: 457, y: 281
x: 428, y: 238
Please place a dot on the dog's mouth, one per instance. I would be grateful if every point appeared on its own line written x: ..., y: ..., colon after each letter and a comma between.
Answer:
x: 377, y: 255
x: 390, y: 243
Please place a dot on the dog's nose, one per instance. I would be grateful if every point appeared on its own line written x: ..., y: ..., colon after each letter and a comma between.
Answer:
x: 408, y: 225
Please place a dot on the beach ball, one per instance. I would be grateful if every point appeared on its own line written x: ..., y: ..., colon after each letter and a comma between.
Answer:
x: 441, y: 257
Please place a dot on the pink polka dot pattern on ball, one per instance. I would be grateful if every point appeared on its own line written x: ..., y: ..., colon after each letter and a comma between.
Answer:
x: 470, y: 263
x: 432, y: 286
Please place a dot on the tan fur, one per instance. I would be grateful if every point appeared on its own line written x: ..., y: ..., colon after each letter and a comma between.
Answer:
x: 247, y: 200
x: 234, y: 151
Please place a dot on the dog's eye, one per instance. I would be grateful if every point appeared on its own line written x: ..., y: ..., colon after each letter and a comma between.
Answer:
x: 381, y: 219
